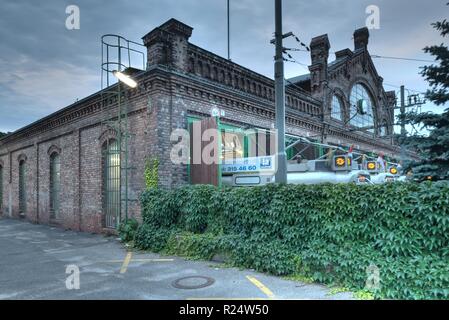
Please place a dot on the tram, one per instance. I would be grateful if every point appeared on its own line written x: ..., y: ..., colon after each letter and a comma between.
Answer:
x: 340, y: 170
x: 336, y: 166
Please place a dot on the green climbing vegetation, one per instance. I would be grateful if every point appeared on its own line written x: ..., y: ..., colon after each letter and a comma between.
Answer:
x: 331, y: 234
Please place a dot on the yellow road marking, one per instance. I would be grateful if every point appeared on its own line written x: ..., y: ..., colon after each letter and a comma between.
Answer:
x: 126, y: 262
x: 261, y: 286
x: 152, y: 260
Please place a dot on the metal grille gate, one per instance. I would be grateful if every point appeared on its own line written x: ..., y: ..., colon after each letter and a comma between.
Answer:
x: 22, y: 192
x: 55, y: 183
x: 111, y: 182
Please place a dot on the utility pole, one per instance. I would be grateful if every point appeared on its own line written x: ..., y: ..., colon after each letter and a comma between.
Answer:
x: 281, y: 156
x: 403, y: 132
x: 414, y: 101
x: 229, y: 35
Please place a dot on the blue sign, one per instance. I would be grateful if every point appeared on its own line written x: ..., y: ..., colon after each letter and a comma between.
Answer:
x: 254, y: 164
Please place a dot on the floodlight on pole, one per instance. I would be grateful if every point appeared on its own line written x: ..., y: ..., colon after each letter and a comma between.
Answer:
x: 125, y: 79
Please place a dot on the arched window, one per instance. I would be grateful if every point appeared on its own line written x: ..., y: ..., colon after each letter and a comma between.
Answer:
x: 336, y: 108
x: 1, y: 189
x: 362, y: 106
x: 22, y: 186
x: 55, y: 184
x: 111, y: 182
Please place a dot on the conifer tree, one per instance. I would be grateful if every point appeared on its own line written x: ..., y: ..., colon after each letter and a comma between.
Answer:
x: 433, y: 146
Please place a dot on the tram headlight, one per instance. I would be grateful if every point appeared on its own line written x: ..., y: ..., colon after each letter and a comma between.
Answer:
x: 371, y: 165
x: 340, y: 161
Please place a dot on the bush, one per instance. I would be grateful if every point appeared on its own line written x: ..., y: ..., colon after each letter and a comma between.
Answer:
x: 127, y: 229
x: 149, y: 237
x: 331, y: 233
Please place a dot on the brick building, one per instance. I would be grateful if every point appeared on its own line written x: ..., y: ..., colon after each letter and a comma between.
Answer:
x: 52, y: 171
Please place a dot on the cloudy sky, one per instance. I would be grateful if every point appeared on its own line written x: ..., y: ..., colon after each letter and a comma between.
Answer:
x: 45, y: 67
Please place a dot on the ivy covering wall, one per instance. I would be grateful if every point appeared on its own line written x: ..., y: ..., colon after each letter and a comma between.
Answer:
x: 151, y: 173
x: 333, y: 234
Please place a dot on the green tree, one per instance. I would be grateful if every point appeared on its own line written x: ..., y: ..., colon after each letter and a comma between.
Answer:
x: 433, y: 147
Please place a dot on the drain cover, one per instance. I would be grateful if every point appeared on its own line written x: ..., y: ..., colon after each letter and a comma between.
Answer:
x: 193, y: 282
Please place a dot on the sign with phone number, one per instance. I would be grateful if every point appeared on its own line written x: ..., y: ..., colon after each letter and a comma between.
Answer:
x: 254, y: 164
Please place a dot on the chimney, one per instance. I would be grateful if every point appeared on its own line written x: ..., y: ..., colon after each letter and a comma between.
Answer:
x: 361, y: 37
x: 319, y: 51
x: 345, y: 53
x: 168, y: 44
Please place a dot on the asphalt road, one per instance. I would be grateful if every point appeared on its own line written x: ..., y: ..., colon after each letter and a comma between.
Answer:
x: 41, y: 262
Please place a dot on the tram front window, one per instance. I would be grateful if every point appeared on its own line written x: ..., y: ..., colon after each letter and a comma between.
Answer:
x: 232, y: 144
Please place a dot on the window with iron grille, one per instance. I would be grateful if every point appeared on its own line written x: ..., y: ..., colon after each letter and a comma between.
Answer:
x: 111, y: 182
x: 22, y: 187
x: 55, y: 183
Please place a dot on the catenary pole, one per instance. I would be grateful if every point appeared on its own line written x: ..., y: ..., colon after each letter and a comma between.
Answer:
x: 229, y: 32
x: 403, y: 132
x: 281, y: 156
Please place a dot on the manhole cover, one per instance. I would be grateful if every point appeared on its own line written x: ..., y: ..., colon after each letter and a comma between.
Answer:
x: 193, y: 282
